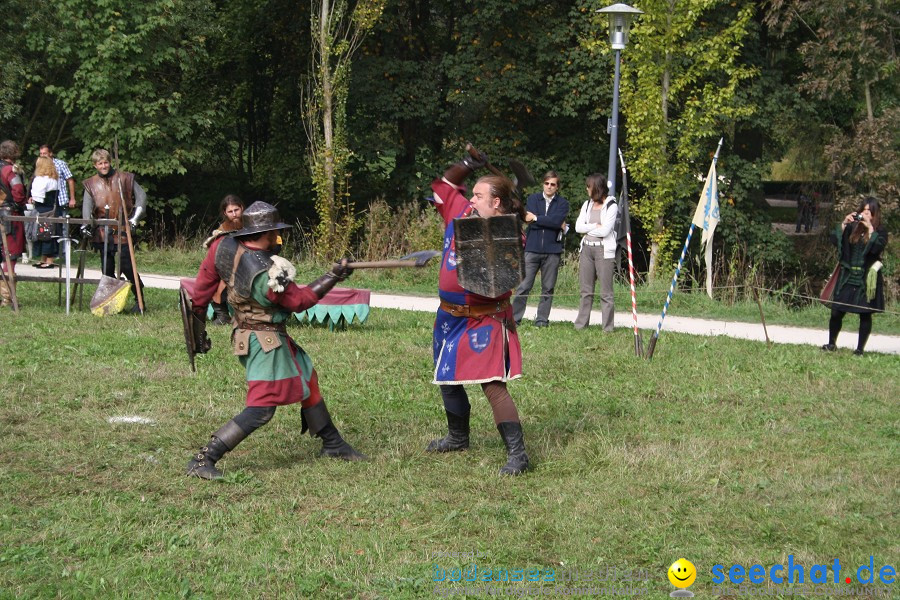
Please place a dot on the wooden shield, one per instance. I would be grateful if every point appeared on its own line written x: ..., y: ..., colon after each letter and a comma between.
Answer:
x: 489, y: 253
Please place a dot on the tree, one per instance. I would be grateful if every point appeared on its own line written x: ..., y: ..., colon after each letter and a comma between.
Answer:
x: 682, y: 74
x: 337, y: 34
x: 850, y: 58
x: 136, y: 73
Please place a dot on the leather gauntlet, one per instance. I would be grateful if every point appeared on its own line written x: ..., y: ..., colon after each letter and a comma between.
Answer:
x: 339, y: 272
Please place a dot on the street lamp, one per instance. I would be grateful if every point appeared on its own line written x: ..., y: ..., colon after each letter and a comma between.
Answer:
x: 620, y: 16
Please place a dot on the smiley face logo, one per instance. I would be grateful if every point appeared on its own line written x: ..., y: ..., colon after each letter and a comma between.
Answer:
x: 682, y: 573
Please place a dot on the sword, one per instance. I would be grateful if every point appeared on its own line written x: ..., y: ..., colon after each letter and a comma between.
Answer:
x: 67, y: 242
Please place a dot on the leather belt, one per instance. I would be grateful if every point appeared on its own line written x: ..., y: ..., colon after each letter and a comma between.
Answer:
x: 477, y: 310
x: 279, y: 327
x: 586, y: 243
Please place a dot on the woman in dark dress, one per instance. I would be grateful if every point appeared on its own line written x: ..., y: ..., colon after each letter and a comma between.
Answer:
x: 860, y: 286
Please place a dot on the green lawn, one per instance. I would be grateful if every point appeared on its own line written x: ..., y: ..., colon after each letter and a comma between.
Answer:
x: 719, y: 450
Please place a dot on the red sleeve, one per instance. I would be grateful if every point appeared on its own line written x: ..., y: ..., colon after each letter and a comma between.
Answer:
x: 207, y: 279
x: 18, y: 190
x: 295, y: 298
x: 448, y: 199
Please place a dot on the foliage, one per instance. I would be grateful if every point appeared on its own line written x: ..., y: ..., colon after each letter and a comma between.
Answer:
x: 337, y: 34
x: 681, y: 78
x: 850, y: 58
x: 135, y: 74
x: 867, y: 160
x: 390, y: 233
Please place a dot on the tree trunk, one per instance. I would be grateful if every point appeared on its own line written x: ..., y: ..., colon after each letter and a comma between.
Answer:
x: 327, y: 108
x: 654, y: 251
x: 870, y: 113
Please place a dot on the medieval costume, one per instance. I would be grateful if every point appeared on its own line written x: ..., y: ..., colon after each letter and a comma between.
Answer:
x: 107, y: 196
x: 860, y: 284
x: 12, y: 191
x: 475, y: 339
x: 278, y: 371
x: 219, y: 304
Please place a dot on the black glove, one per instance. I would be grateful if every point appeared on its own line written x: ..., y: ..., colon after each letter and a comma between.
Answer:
x: 341, y: 270
x: 457, y: 174
x: 475, y: 163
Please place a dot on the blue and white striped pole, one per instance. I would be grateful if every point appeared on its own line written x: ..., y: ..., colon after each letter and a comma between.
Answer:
x: 651, y: 347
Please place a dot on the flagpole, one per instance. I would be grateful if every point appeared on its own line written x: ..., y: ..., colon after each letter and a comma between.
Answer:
x: 638, y: 342
x: 651, y: 347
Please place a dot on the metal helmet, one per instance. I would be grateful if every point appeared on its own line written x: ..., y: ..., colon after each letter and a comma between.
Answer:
x: 260, y: 216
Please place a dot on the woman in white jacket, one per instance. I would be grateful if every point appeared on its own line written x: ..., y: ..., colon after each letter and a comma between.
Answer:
x: 44, y: 191
x: 597, y: 221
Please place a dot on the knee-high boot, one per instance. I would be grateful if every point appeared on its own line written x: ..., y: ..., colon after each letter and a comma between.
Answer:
x: 457, y: 437
x: 318, y: 421
x: 517, y: 459
x: 203, y: 464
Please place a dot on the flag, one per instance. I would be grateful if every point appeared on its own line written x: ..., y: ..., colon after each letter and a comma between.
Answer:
x: 707, y: 217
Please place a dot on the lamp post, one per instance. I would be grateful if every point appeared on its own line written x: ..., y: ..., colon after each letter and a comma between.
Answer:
x: 620, y: 16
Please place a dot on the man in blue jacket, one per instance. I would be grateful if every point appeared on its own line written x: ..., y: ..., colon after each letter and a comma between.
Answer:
x: 546, y: 216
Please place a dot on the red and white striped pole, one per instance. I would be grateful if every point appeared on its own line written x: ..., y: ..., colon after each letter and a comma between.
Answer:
x: 638, y: 343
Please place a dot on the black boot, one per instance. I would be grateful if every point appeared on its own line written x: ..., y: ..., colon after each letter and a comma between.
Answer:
x: 220, y: 313
x: 203, y: 464
x: 517, y: 460
x: 457, y: 437
x: 319, y: 423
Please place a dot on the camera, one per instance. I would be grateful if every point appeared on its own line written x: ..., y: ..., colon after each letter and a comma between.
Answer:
x: 857, y: 217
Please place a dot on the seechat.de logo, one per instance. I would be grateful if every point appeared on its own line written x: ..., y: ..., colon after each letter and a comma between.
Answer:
x: 794, y: 572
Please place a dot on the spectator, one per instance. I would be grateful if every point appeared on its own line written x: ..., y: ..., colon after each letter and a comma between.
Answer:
x: 804, y: 213
x: 546, y: 214
x: 66, y: 198
x: 12, y: 201
x: 232, y: 208
x: 597, y: 258
x: 44, y: 193
x: 860, y: 239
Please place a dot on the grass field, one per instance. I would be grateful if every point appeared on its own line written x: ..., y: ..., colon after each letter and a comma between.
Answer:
x: 719, y: 450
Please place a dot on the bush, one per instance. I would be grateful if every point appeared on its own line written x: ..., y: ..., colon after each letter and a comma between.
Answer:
x: 390, y: 233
